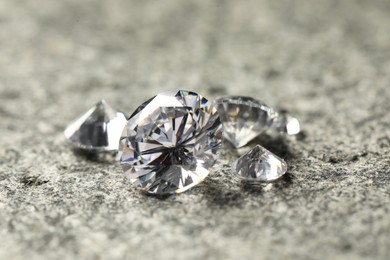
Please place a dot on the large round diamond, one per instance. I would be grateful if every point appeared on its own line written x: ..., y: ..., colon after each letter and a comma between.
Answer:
x: 170, y: 142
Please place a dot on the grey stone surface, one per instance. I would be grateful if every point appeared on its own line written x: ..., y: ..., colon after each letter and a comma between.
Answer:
x: 327, y: 62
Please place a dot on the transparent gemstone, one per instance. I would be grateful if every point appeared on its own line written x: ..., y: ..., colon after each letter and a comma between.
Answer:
x: 245, y: 118
x: 170, y: 142
x: 99, y: 129
x: 259, y: 164
x: 287, y: 124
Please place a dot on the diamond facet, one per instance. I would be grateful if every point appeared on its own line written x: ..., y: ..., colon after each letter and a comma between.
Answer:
x: 259, y: 164
x: 99, y: 129
x: 245, y: 118
x: 170, y: 142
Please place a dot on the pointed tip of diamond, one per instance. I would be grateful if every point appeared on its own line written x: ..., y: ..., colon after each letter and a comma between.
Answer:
x: 98, y: 129
x: 102, y: 105
x: 259, y: 164
x: 102, y: 108
x: 101, y: 102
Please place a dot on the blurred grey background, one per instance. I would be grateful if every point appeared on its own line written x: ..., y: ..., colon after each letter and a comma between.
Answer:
x: 326, y: 62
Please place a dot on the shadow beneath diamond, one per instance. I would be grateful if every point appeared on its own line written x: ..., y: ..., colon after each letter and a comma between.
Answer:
x: 224, y: 189
x: 260, y: 187
x: 301, y: 136
x: 219, y: 194
x: 160, y: 197
x: 96, y: 157
x: 255, y: 187
x: 227, y: 191
x: 287, y: 179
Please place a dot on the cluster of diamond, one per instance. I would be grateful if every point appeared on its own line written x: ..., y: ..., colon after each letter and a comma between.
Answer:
x: 244, y: 119
x: 170, y: 143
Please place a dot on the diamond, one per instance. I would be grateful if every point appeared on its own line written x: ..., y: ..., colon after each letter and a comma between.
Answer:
x: 170, y: 142
x: 245, y: 118
x: 287, y: 124
x: 99, y: 129
x: 259, y: 164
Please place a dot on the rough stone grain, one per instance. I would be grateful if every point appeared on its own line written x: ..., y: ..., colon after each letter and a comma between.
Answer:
x: 327, y: 62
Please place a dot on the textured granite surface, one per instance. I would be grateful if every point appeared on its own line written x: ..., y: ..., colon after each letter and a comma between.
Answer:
x: 327, y: 62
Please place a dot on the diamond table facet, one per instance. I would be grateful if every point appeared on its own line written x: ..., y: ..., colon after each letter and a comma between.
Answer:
x: 99, y: 129
x: 170, y: 142
x: 259, y: 164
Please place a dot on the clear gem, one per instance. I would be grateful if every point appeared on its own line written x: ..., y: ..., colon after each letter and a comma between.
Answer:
x: 99, y: 129
x: 259, y: 164
x: 170, y: 142
x: 287, y: 124
x: 245, y: 118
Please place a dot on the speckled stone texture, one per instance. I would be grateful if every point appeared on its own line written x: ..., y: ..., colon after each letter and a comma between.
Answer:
x: 326, y: 62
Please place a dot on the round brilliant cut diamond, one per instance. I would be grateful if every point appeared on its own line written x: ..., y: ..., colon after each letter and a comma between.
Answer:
x: 170, y: 142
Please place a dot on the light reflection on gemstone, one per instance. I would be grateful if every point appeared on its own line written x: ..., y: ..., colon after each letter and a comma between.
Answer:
x: 99, y: 129
x: 259, y: 164
x: 245, y: 118
x: 287, y: 124
x: 170, y: 142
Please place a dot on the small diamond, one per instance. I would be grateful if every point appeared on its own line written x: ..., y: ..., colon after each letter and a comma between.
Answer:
x: 259, y: 164
x: 287, y: 124
x: 99, y: 129
x: 170, y: 142
x: 245, y: 118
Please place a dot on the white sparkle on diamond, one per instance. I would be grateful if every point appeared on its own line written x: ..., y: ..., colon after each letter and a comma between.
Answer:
x: 170, y: 142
